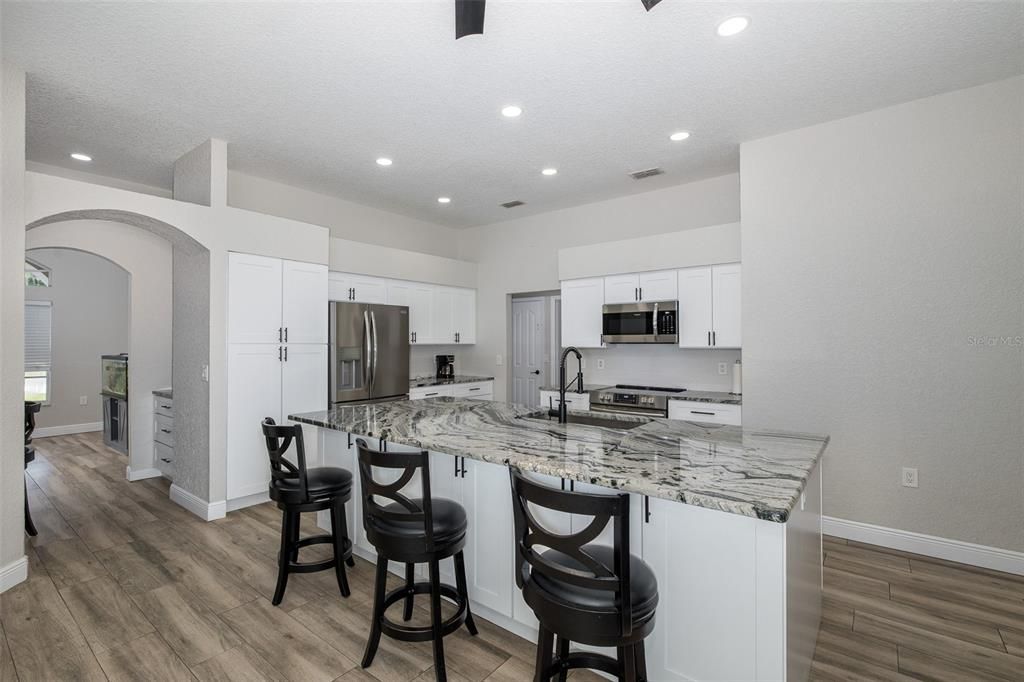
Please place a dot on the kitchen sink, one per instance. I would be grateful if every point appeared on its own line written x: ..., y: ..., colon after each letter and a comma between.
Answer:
x: 622, y: 423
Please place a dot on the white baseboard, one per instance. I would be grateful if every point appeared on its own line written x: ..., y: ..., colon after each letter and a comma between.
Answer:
x: 67, y: 429
x: 237, y: 503
x: 140, y: 474
x: 13, y: 573
x: 983, y: 556
x: 207, y: 511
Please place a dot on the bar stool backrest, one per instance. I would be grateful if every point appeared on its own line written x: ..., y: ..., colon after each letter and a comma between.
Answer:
x: 531, y: 534
x: 279, y: 438
x: 410, y: 510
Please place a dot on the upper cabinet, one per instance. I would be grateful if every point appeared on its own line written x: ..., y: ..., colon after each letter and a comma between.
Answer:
x: 709, y: 307
x: 464, y: 315
x: 276, y: 301
x: 357, y: 288
x: 582, y: 301
x: 644, y: 286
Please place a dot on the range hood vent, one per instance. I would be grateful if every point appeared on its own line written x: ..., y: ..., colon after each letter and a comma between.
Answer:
x: 649, y: 173
x: 513, y: 204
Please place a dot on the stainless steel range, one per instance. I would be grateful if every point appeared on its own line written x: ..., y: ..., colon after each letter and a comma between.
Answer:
x: 629, y: 399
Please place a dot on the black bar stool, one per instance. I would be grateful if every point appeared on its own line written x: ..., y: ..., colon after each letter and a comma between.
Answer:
x: 31, y: 408
x: 585, y: 593
x: 412, y: 531
x: 297, y: 489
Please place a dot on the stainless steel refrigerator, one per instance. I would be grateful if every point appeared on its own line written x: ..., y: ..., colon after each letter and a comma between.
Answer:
x: 369, y: 353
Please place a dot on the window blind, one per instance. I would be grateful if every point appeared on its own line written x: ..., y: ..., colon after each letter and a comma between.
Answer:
x: 38, y: 323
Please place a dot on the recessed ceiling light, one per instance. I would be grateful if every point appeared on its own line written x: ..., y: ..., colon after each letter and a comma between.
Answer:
x: 549, y: 171
x: 732, y: 26
x: 383, y: 161
x: 679, y: 137
x: 81, y: 157
x: 511, y: 111
x: 444, y: 200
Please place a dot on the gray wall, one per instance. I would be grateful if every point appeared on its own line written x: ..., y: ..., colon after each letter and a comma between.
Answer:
x: 882, y: 260
x: 91, y: 317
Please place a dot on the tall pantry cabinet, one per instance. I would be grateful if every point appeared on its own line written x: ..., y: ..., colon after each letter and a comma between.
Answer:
x: 277, y: 361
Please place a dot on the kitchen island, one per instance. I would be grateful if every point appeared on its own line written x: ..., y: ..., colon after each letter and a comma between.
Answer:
x: 729, y: 519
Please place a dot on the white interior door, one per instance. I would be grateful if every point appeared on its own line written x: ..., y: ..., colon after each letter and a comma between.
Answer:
x: 695, y: 323
x: 725, y: 284
x: 304, y: 302
x: 529, y: 331
x: 254, y: 299
x: 254, y: 392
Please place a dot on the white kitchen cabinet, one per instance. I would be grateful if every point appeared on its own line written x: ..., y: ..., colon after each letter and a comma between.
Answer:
x: 708, y: 413
x: 304, y: 302
x: 464, y: 315
x: 658, y: 286
x: 357, y: 288
x: 419, y: 298
x: 622, y: 288
x: 254, y: 392
x: 709, y: 307
x: 573, y: 401
x: 254, y: 299
x: 582, y: 319
x: 442, y: 316
x: 482, y: 390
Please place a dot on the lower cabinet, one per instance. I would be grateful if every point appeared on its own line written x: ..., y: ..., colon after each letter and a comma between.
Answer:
x: 163, y: 436
x: 481, y: 390
x: 708, y: 413
x: 573, y: 401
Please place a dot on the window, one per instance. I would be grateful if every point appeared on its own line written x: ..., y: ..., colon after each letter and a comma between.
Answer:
x: 36, y: 274
x: 38, y: 322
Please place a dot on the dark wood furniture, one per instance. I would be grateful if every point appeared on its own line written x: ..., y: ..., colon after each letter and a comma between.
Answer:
x: 580, y: 592
x: 412, y: 531
x: 31, y: 409
x: 297, y: 490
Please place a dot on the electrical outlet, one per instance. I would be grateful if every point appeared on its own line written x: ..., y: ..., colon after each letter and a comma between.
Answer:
x: 723, y: 368
x: 83, y: 400
x: 909, y: 479
x: 600, y: 363
x: 498, y: 360
x: 206, y: 373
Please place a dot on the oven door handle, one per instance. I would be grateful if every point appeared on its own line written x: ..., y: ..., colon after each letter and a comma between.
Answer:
x: 615, y: 409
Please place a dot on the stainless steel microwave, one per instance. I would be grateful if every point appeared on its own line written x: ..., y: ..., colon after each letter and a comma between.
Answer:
x: 647, y: 322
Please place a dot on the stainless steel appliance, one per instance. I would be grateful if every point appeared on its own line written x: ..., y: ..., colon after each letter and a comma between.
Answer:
x: 445, y: 366
x: 114, y: 396
x: 369, y: 353
x: 646, y: 322
x: 628, y: 399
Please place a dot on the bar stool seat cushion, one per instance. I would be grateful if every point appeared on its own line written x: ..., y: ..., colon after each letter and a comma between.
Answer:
x: 643, y: 584
x: 448, y: 516
x: 320, y: 482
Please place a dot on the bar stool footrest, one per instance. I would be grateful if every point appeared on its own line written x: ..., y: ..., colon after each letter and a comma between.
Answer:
x: 326, y: 564
x: 584, y: 659
x: 422, y: 633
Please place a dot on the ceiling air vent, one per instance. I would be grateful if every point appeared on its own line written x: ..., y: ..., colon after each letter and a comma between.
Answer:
x: 513, y: 204
x: 649, y: 173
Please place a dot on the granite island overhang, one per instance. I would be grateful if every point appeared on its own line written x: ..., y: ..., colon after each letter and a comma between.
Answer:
x: 729, y: 519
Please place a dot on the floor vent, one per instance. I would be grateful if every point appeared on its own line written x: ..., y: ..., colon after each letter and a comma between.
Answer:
x: 649, y: 173
x: 513, y: 204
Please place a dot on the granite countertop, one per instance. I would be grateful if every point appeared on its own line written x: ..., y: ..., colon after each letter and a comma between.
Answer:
x: 720, y: 397
x: 586, y: 388
x: 422, y: 382
x: 752, y: 473
x: 164, y: 393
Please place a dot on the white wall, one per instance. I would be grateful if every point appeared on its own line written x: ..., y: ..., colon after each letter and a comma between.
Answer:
x: 346, y: 220
x: 522, y: 255
x: 147, y: 260
x: 883, y: 259
x: 91, y: 316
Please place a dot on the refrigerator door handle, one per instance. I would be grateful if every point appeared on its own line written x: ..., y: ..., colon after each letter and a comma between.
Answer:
x: 373, y: 324
x: 366, y: 358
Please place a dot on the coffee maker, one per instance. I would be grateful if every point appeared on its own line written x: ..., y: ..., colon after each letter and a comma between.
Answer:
x: 445, y: 366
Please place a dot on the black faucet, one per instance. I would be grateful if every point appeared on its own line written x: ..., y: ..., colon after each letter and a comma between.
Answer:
x: 563, y: 415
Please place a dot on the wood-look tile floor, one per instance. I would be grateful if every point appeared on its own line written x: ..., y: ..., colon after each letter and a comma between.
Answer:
x: 125, y: 585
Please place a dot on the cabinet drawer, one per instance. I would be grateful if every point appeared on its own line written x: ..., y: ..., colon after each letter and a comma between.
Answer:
x: 429, y: 392
x: 164, y: 459
x: 573, y: 401
x: 163, y: 430
x: 164, y: 406
x: 473, y: 390
x: 709, y: 413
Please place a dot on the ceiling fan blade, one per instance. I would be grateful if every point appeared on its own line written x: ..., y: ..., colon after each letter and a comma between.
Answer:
x: 469, y: 17
x: 648, y: 4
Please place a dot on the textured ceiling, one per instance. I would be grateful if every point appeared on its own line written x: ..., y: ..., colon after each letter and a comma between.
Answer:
x: 310, y: 94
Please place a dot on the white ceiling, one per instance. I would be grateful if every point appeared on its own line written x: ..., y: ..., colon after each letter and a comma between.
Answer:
x: 310, y: 94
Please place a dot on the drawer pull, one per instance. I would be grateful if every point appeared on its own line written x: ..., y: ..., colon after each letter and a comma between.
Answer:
x: 427, y: 395
x: 165, y: 407
x: 712, y: 414
x: 164, y: 459
x: 165, y: 430
x: 474, y: 389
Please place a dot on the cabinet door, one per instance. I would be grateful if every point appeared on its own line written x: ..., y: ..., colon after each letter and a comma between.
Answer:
x: 446, y: 482
x: 442, y: 318
x: 419, y: 299
x: 695, y: 322
x: 304, y: 378
x: 254, y: 299
x: 464, y: 314
x: 582, y: 301
x: 658, y: 286
x: 622, y: 289
x: 339, y: 286
x: 370, y: 289
x: 725, y: 283
x: 487, y: 496
x: 607, y: 536
x: 425, y: 392
x: 304, y: 302
x: 704, y: 561
x: 254, y: 392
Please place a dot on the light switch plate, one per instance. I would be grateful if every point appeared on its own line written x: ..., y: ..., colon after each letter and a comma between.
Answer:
x: 498, y: 360
x: 83, y: 400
